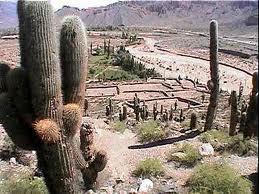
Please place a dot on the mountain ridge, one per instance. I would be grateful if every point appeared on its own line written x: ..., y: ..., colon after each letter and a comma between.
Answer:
x: 177, y: 14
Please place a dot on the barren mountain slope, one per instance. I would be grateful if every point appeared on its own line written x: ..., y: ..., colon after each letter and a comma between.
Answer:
x: 177, y: 14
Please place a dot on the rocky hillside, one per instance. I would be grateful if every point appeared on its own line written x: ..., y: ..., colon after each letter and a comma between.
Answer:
x: 178, y: 14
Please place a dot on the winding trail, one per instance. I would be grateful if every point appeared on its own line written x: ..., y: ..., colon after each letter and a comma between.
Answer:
x: 171, y: 65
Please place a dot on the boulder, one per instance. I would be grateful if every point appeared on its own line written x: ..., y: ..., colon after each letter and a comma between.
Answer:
x: 146, y: 186
x: 206, y: 149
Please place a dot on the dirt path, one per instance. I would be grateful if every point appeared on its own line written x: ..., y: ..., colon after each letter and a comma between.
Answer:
x: 172, y: 65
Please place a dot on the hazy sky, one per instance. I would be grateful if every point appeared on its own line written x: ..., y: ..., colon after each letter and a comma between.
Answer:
x: 77, y: 3
x: 80, y: 3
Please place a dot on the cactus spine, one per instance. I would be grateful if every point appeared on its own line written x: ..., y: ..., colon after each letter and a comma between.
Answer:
x: 211, y: 112
x: 234, y: 115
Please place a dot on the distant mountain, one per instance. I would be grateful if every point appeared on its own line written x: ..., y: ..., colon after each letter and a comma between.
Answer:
x: 178, y: 14
x: 8, y: 15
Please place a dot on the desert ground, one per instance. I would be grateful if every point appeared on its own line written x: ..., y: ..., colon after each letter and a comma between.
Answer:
x: 172, y: 54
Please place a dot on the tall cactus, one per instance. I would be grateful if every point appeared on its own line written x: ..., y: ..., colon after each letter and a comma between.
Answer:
x: 214, y: 66
x: 251, y: 125
x: 37, y: 116
x: 234, y: 114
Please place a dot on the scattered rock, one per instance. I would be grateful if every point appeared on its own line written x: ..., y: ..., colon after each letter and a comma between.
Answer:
x: 119, y: 180
x: 133, y: 191
x: 90, y: 192
x: 146, y: 186
x: 206, y: 149
x: 12, y: 161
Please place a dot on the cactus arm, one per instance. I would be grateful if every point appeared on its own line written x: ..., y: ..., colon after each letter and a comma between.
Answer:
x: 22, y: 32
x: 74, y: 57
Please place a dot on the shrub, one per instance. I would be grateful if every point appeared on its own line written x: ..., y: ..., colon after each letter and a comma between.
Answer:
x: 190, y: 155
x: 119, y: 126
x: 242, y: 147
x: 150, y: 131
x: 24, y: 185
x: 149, y: 168
x: 218, y: 178
x: 222, y: 142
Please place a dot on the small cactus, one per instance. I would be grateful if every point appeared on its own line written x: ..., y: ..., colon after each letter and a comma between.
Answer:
x: 175, y: 105
x: 124, y: 112
x: 233, y: 116
x: 120, y: 115
x: 242, y: 122
x: 171, y: 113
x: 240, y: 93
x: 181, y: 115
x: 193, y: 122
x: 202, y: 97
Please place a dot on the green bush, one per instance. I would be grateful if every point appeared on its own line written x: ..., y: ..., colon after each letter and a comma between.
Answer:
x: 119, y: 126
x: 242, y: 147
x: 189, y: 158
x: 118, y: 75
x: 26, y: 185
x: 222, y: 142
x: 149, y: 168
x: 218, y: 178
x: 150, y: 131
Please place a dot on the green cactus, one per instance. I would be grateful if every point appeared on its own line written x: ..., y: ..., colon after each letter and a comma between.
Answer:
x: 96, y: 160
x: 32, y: 110
x: 181, y: 116
x: 251, y: 126
x: 242, y: 122
x: 161, y: 109
x: 155, y: 112
x: 4, y: 69
x: 137, y: 112
x: 214, y: 66
x: 175, y: 105
x: 124, y: 112
x: 234, y: 114
x: 171, y: 113
x: 193, y: 122
x: 120, y: 115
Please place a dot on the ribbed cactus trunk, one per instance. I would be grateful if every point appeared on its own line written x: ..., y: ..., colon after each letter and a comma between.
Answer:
x: 214, y: 66
x: 234, y: 114
x: 55, y: 159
